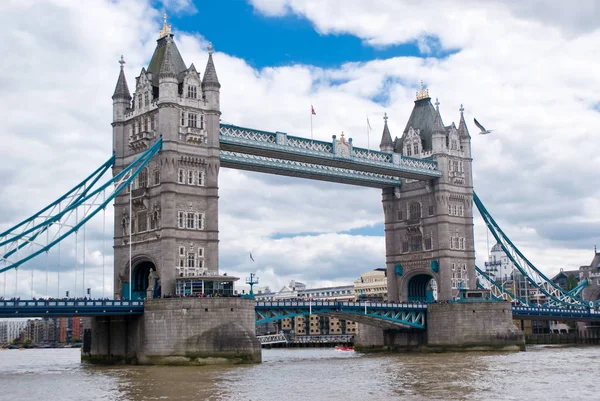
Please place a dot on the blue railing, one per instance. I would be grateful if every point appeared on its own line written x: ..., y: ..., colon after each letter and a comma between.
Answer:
x: 64, y: 308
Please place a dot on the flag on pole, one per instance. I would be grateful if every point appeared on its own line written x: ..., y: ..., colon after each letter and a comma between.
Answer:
x: 251, y: 256
x: 369, y: 124
x: 312, y: 110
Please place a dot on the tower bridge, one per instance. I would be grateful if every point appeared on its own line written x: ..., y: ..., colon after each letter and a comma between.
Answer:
x: 169, y: 145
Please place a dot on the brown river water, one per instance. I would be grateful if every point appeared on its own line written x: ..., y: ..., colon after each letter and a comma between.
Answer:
x: 542, y: 373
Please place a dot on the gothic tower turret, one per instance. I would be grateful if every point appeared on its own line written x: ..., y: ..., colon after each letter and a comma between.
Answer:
x: 429, y: 224
x: 173, y: 225
x: 386, y: 145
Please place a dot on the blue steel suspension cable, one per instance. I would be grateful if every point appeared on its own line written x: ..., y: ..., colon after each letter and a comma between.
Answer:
x: 134, y: 169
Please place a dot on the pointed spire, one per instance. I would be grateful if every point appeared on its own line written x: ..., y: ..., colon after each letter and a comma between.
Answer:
x: 438, y: 125
x: 210, y: 73
x: 463, y: 131
x: 122, y: 90
x: 166, y: 68
x: 166, y: 29
x: 386, y: 144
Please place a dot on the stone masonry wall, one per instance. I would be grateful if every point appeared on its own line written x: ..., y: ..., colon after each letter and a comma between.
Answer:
x: 199, y: 331
x: 485, y: 325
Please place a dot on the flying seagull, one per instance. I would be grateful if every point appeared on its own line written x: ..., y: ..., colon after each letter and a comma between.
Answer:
x: 482, y: 128
x: 251, y: 256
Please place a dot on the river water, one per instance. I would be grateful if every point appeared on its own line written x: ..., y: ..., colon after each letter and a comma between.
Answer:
x: 541, y: 373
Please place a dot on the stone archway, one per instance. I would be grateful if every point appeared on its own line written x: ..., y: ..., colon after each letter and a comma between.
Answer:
x: 421, y: 288
x: 144, y: 280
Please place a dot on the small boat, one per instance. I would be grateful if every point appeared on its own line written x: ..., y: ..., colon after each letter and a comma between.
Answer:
x: 344, y: 348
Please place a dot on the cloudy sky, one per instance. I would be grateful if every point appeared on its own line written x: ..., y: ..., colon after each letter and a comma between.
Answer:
x: 526, y: 69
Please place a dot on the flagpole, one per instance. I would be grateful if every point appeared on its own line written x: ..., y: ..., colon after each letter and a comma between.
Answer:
x: 368, y: 140
x: 311, y: 130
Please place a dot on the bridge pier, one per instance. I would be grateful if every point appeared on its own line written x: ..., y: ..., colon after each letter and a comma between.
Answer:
x: 457, y: 326
x: 177, y: 331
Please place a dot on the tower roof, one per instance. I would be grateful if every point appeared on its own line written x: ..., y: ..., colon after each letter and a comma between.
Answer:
x: 463, y: 131
x: 386, y: 137
x: 210, y: 73
x: 122, y: 90
x: 166, y: 68
x: 174, y: 60
x: 423, y: 117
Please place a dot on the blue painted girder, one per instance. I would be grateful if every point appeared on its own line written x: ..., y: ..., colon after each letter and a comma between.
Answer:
x: 67, y: 308
x: 401, y: 315
x: 262, y: 164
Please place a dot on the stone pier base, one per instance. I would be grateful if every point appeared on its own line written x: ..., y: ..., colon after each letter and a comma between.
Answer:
x: 472, y: 326
x: 469, y: 326
x: 179, y: 331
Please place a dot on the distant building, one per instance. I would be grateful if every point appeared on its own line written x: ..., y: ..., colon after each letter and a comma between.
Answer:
x: 499, y: 266
x: 372, y: 286
x: 11, y: 329
x: 564, y: 281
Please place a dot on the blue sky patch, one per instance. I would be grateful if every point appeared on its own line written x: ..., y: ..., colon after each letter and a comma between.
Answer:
x: 237, y: 29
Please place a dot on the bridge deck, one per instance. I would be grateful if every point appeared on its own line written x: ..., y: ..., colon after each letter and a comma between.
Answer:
x: 68, y: 308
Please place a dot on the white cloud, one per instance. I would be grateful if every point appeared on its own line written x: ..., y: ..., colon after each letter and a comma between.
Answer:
x: 529, y: 75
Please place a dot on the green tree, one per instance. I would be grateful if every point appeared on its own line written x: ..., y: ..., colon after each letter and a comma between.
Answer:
x: 571, y: 282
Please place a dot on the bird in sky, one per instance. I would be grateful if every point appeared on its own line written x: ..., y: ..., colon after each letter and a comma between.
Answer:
x: 482, y: 128
x: 251, y: 257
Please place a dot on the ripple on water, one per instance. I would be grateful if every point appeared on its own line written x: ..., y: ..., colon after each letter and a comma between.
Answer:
x: 547, y: 373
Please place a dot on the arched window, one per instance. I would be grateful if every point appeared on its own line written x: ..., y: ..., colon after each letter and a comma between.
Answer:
x: 415, y: 211
x: 143, y: 178
x: 416, y: 148
x: 408, y: 150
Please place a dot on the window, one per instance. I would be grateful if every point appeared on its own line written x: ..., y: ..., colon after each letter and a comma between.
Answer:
x: 180, y: 219
x: 181, y: 251
x: 399, y: 214
x: 408, y: 150
x: 142, y: 221
x: 181, y: 176
x: 416, y: 244
x: 156, y: 177
x: 191, y: 175
x: 201, y: 121
x: 191, y: 220
x: 192, y: 120
x: 416, y: 148
x: 192, y: 92
x: 143, y: 178
x: 152, y: 122
x: 153, y: 221
x: 200, y: 225
x: 461, y: 243
x: 133, y: 226
x: 191, y: 259
x: 415, y: 211
x: 146, y: 101
x: 431, y: 210
x: 453, y: 144
x: 140, y: 101
x: 200, y: 181
x: 200, y: 252
x: 427, y: 243
x: 145, y: 121
x: 182, y: 119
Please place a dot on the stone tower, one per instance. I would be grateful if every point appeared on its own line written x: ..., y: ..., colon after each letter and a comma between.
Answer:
x: 429, y: 225
x: 174, y: 219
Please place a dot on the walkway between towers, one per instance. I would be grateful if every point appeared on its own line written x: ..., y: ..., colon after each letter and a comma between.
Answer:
x: 337, y: 161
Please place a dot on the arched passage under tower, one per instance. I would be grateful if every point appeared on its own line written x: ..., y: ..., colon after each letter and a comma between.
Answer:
x: 422, y: 288
x: 144, y: 277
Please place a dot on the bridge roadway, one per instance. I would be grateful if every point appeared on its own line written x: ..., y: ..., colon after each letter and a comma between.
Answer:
x: 385, y: 315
